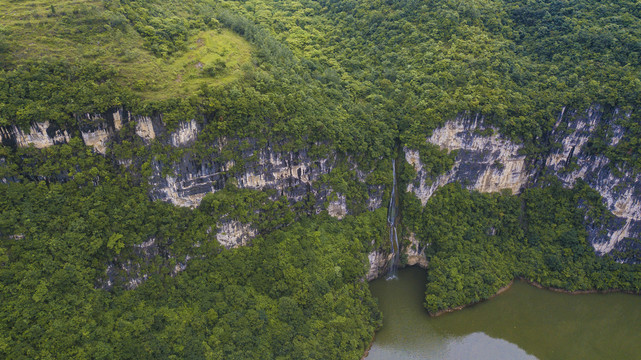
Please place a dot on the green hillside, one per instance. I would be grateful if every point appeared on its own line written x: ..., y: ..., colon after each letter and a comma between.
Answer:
x: 92, y: 268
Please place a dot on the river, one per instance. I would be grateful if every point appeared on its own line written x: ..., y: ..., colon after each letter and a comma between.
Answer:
x: 522, y: 323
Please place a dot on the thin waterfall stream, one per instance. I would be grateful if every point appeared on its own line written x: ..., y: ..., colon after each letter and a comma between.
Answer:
x: 391, y: 220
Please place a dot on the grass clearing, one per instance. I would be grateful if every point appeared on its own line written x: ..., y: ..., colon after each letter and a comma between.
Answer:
x: 212, y: 57
x: 84, y: 31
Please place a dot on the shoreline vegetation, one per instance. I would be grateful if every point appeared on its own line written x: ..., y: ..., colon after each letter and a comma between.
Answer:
x: 461, y: 307
x: 537, y: 285
x: 366, y: 354
x: 578, y: 292
x: 529, y: 282
x: 481, y: 242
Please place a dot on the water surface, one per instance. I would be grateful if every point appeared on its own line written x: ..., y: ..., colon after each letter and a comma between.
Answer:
x: 523, y: 323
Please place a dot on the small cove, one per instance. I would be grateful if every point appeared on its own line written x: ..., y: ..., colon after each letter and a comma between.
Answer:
x: 522, y: 323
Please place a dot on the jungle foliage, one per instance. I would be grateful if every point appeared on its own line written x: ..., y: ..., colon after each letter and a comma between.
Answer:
x: 78, y: 231
x: 423, y: 62
x: 360, y: 73
x: 478, y: 243
x: 70, y: 247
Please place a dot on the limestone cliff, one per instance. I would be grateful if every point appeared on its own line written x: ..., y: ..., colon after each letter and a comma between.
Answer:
x: 619, y: 187
x: 186, y: 133
x: 415, y: 252
x: 96, y: 130
x: 485, y: 161
x: 378, y: 261
x: 488, y: 162
x: 186, y: 182
x: 233, y: 233
x: 40, y: 135
x: 294, y: 175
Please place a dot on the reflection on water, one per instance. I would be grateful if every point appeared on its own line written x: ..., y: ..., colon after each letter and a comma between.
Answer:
x: 523, y: 323
x: 476, y: 346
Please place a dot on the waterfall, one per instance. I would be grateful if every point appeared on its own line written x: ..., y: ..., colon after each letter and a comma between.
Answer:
x: 391, y: 220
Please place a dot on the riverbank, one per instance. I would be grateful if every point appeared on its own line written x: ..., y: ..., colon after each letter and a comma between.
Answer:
x: 578, y: 292
x: 369, y: 347
x: 461, y: 307
x: 537, y: 285
x: 503, y: 290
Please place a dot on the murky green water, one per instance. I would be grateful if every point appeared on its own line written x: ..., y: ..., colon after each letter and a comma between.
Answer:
x: 522, y: 323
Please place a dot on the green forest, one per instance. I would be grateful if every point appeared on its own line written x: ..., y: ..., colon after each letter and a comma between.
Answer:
x: 479, y: 243
x: 92, y: 267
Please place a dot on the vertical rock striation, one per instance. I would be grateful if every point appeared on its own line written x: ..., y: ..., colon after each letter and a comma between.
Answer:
x: 96, y: 130
x: 291, y: 174
x: 378, y: 261
x: 415, y: 253
x: 338, y: 208
x: 186, y: 134
x: 487, y: 162
x: 294, y: 175
x: 620, y: 188
x: 40, y: 135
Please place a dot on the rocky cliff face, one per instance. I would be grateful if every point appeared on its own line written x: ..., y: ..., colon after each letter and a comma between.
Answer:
x: 96, y: 130
x: 378, y: 262
x: 135, y: 270
x: 487, y: 162
x: 233, y: 233
x: 294, y: 175
x: 291, y: 174
x: 338, y: 208
x: 40, y: 135
x: 186, y: 134
x: 620, y: 188
x: 415, y: 253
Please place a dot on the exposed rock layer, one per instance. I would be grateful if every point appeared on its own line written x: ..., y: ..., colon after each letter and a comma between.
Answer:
x: 232, y: 233
x: 97, y: 130
x: 39, y: 135
x: 378, y: 261
x: 292, y: 174
x: 415, y: 253
x: 487, y: 162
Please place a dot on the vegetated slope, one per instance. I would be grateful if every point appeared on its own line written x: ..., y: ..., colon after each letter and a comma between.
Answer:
x: 179, y: 59
x: 295, y: 293
x: 517, y: 63
x: 345, y: 77
x: 478, y: 243
x: 78, y: 228
x: 186, y: 48
x: 407, y: 64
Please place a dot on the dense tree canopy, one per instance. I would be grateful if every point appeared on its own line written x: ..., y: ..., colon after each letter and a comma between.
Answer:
x: 478, y: 243
x: 91, y: 267
x: 69, y: 249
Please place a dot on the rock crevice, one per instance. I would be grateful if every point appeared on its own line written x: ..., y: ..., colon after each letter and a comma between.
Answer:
x: 488, y: 162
